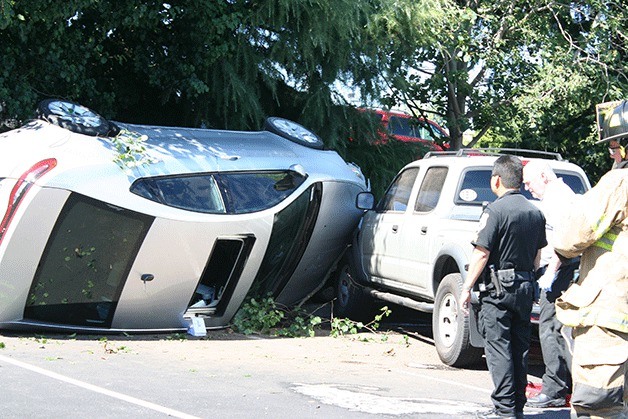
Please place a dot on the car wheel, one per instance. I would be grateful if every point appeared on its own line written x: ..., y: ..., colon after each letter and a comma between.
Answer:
x: 293, y: 132
x: 75, y: 118
x: 351, y: 300
x: 451, y: 327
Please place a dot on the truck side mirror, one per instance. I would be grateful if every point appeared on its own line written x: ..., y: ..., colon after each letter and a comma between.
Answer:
x: 365, y: 201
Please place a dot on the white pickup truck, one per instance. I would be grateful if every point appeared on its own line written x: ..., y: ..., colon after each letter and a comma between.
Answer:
x: 413, y: 247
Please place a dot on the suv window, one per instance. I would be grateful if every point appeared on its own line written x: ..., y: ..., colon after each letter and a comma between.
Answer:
x: 431, y: 187
x: 220, y: 193
x: 398, y: 193
x: 291, y: 232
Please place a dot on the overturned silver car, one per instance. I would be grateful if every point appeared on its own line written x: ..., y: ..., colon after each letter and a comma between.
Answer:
x: 118, y: 227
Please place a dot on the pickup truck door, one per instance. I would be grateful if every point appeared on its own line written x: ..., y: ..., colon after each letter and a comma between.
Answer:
x: 380, y: 239
x: 420, y: 229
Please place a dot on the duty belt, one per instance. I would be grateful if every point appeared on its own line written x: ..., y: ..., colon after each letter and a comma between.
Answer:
x: 506, y: 278
x: 524, y: 276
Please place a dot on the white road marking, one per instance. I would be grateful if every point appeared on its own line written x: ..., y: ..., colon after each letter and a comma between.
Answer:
x: 375, y: 404
x: 97, y: 389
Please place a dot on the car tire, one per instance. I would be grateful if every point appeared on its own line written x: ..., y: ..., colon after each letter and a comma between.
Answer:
x: 451, y: 327
x: 75, y: 118
x: 293, y: 132
x: 351, y: 300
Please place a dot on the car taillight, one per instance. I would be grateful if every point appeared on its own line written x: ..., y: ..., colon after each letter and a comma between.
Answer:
x: 21, y: 188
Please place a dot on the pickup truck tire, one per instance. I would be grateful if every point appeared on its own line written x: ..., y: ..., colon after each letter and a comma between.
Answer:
x: 351, y: 300
x: 451, y: 327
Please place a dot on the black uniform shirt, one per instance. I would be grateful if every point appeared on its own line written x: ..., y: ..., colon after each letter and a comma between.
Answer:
x: 513, y: 230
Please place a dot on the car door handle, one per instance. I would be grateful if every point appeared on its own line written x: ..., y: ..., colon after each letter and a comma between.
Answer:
x: 395, y: 228
x: 424, y: 230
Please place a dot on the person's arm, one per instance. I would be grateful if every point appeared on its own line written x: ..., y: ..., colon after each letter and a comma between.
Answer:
x: 479, y: 258
x: 549, y: 276
x: 537, y: 260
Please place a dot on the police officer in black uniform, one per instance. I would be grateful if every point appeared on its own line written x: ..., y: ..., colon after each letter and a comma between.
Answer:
x: 506, y: 254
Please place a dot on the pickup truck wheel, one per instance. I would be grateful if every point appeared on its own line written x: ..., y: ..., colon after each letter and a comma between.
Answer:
x: 351, y: 300
x: 451, y: 327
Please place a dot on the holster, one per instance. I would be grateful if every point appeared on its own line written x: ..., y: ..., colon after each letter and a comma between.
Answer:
x: 495, y: 282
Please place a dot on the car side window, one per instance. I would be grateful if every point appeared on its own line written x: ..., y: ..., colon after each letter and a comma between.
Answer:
x: 430, y: 190
x: 423, y: 132
x: 220, y: 193
x: 398, y: 193
x: 400, y: 126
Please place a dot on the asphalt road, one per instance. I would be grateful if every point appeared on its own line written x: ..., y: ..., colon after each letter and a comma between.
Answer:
x: 230, y: 375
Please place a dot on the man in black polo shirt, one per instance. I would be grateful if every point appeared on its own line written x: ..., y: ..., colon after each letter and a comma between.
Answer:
x: 510, y: 236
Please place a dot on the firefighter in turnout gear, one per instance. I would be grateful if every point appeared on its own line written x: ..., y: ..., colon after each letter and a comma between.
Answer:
x: 595, y: 308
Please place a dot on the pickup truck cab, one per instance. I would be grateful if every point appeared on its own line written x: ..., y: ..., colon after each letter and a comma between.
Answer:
x: 413, y: 247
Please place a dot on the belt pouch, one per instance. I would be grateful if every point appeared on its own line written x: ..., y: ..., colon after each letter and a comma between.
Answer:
x: 506, y: 277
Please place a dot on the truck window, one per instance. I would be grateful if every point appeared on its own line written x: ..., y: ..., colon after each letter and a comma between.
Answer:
x: 475, y: 186
x: 431, y: 187
x: 398, y: 193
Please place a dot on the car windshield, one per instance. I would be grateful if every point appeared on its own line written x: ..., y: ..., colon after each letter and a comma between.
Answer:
x: 220, y: 193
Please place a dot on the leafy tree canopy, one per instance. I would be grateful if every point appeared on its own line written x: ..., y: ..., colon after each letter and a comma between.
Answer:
x: 515, y: 73
x: 511, y: 72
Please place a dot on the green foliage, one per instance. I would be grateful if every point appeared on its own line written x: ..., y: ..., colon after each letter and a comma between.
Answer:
x: 41, y: 340
x: 131, y: 150
x: 218, y: 64
x: 524, y: 74
x: 299, y: 324
x: 257, y: 316
x: 110, y: 348
x: 344, y: 326
x: 518, y: 72
x: 177, y: 336
x: 2, y: 345
x: 264, y: 316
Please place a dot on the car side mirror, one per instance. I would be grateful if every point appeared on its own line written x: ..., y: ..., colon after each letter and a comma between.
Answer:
x: 365, y: 201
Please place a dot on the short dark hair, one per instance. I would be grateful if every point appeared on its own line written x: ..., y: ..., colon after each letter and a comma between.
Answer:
x: 510, y: 170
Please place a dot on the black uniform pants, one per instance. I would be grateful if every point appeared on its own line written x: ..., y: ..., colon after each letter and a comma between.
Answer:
x: 556, y: 356
x: 505, y: 323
